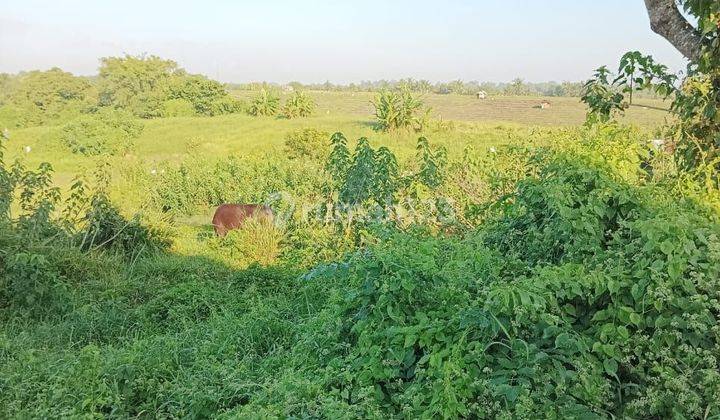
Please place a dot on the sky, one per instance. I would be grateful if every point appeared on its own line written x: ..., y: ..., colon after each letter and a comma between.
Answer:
x: 341, y: 41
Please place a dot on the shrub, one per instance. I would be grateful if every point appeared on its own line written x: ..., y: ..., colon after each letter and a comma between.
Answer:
x: 107, y: 132
x: 299, y: 104
x: 256, y: 241
x: 584, y: 283
x: 266, y: 103
x: 226, y: 105
x: 106, y: 228
x: 307, y: 142
x: 50, y: 96
x: 399, y: 110
x: 178, y: 108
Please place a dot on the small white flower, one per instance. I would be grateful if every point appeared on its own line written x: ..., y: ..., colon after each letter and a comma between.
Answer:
x: 27, y: 149
x: 493, y: 150
x: 154, y: 172
x: 657, y: 143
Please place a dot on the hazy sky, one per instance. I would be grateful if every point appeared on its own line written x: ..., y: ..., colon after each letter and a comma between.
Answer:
x: 340, y: 41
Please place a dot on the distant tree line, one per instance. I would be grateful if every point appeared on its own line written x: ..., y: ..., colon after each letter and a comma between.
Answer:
x: 517, y: 87
x: 140, y: 86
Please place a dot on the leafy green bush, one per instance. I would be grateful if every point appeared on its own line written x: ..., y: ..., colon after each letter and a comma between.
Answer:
x: 106, y: 228
x: 307, y: 142
x: 108, y: 132
x: 226, y: 105
x: 399, y: 110
x: 266, y: 103
x: 41, y: 97
x: 178, y: 108
x: 147, y: 85
x: 587, y: 297
x: 367, y: 185
x: 299, y: 104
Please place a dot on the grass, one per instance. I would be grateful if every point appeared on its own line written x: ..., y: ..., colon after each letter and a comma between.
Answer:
x: 480, y: 123
x: 494, y: 109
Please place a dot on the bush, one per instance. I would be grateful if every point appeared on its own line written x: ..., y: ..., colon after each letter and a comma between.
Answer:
x: 226, y: 105
x: 178, y: 108
x: 50, y: 96
x: 107, y: 132
x: 587, y: 297
x: 307, y: 142
x: 299, y: 104
x: 399, y: 110
x: 266, y: 103
x: 106, y: 228
x: 256, y: 241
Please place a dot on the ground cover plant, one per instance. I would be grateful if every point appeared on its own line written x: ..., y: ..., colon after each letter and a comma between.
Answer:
x: 496, y: 261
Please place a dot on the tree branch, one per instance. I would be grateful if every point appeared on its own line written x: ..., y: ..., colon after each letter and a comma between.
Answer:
x: 667, y: 21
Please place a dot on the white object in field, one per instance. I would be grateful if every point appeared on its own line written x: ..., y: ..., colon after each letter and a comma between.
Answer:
x: 493, y: 150
x: 544, y: 104
x: 6, y: 134
x: 27, y: 149
x: 154, y: 172
x: 482, y: 94
x: 657, y: 143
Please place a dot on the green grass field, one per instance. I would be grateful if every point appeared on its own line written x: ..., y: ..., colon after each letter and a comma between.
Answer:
x: 481, y: 123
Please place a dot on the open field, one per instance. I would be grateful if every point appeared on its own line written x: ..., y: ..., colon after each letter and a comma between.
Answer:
x: 513, y: 264
x: 480, y: 123
x: 494, y: 109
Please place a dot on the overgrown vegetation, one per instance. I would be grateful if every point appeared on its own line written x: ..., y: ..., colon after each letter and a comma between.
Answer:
x: 420, y: 271
x: 266, y: 103
x: 107, y: 132
x: 696, y: 98
x: 299, y: 104
x: 308, y: 142
x: 589, y: 290
x: 401, y: 109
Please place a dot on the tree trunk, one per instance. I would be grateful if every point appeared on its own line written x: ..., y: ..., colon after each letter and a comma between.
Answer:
x: 667, y: 21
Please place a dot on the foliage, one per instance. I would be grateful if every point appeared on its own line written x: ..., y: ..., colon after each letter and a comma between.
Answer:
x: 135, y: 84
x: 199, y: 182
x: 266, y: 103
x: 143, y: 85
x: 108, y: 132
x: 395, y: 110
x: 299, y: 104
x: 257, y: 241
x: 178, y: 108
x: 368, y: 184
x: 589, y: 290
x: 207, y: 97
x: 695, y: 102
x: 40, y: 97
x: 602, y: 100
x: 307, y: 142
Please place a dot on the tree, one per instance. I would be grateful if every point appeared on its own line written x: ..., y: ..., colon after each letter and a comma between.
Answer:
x: 696, y: 98
x: 198, y: 90
x: 667, y: 21
x: 42, y: 96
x: 135, y: 83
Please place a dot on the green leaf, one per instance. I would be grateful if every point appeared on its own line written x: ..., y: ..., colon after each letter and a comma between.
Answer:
x: 610, y: 366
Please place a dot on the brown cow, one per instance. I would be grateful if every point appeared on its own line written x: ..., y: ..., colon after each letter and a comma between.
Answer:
x: 231, y: 216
